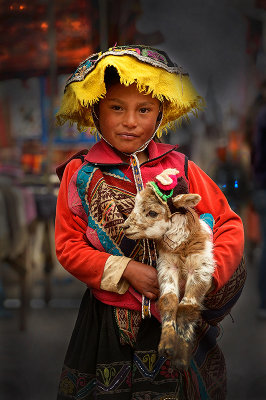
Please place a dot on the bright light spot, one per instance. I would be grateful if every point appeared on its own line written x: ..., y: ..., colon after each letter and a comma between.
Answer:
x: 76, y: 25
x: 44, y: 26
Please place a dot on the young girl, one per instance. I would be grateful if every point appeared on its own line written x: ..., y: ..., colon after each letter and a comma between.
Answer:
x: 130, y: 94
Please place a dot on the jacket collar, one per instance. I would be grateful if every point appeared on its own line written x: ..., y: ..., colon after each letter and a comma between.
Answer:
x: 103, y: 154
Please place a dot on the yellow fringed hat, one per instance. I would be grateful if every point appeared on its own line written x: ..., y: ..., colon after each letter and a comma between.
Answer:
x: 150, y: 69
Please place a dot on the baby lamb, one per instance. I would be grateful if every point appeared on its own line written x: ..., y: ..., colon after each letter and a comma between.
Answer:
x: 185, y: 259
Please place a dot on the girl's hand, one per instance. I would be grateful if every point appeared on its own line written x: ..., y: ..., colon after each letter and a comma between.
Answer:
x: 143, y: 278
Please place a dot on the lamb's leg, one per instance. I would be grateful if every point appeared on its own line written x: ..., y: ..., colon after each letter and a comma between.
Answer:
x: 168, y: 304
x: 196, y: 288
x: 188, y: 315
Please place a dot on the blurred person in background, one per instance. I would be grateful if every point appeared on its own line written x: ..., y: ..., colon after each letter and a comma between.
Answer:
x: 258, y: 103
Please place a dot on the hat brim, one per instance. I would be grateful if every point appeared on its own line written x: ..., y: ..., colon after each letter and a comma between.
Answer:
x: 175, y: 91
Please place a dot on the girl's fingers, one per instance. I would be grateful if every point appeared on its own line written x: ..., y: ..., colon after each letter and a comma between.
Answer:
x: 152, y: 294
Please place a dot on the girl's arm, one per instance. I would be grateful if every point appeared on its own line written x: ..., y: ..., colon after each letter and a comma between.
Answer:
x: 228, y: 236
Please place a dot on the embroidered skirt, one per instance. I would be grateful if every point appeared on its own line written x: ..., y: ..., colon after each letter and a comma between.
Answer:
x: 112, y: 354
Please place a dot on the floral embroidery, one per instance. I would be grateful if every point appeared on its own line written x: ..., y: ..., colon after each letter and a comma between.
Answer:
x: 149, y: 360
x: 76, y: 384
x: 168, y: 371
x: 148, y: 364
x: 106, y: 374
x: 112, y: 377
x: 67, y: 386
x: 155, y: 55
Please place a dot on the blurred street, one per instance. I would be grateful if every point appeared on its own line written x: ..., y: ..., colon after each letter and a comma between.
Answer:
x: 31, y: 360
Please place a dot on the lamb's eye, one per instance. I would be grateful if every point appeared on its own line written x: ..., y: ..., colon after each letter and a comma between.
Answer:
x: 152, y: 214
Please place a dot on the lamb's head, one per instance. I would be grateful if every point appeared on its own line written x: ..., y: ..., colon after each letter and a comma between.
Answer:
x: 149, y: 217
x: 158, y: 203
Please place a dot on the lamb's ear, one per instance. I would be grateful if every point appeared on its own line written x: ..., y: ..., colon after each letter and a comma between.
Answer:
x: 186, y: 200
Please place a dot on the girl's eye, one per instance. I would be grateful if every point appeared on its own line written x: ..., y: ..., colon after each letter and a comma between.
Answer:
x: 116, y: 108
x: 152, y: 214
x: 144, y: 110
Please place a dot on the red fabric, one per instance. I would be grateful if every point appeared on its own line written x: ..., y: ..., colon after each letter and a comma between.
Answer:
x: 102, y: 153
x: 228, y: 234
x: 72, y: 249
x: 131, y: 299
x: 87, y: 264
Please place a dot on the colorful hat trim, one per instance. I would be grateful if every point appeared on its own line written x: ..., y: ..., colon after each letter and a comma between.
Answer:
x: 163, y: 196
x: 168, y: 178
x: 163, y: 183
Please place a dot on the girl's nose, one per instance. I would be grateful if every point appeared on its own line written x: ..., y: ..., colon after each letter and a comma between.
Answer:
x: 130, y: 120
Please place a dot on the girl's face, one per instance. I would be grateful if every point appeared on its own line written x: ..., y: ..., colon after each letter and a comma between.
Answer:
x: 127, y: 118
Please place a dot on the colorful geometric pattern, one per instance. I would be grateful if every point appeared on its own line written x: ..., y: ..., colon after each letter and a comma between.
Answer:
x: 128, y: 322
x: 108, y: 200
x: 155, y: 57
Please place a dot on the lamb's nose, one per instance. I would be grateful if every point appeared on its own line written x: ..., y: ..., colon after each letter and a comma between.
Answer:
x: 125, y: 227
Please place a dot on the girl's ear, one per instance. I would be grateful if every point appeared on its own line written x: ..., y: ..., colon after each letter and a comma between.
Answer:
x: 186, y: 200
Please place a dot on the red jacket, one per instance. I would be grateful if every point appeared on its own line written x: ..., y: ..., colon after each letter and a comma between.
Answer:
x: 87, y: 264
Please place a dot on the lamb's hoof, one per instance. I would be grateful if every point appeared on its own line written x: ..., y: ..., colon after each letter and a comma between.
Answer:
x: 167, y: 345
x: 181, y: 363
x: 183, y: 353
x: 188, y: 312
x: 166, y: 351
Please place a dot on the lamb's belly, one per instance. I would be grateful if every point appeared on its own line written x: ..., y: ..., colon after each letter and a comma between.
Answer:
x: 199, y: 267
x: 196, y: 263
x: 171, y: 268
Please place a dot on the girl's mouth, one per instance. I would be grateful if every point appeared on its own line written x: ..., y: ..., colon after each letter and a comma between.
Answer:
x: 127, y: 135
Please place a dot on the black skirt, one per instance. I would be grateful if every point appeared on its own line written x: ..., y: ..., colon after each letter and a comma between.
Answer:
x: 104, y: 361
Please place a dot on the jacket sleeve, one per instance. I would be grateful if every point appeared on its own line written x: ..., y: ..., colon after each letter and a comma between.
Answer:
x: 72, y: 248
x: 228, y: 236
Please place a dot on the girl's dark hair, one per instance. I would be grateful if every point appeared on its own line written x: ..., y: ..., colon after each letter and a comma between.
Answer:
x: 111, y: 77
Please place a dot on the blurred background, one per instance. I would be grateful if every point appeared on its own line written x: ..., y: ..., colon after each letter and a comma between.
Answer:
x: 222, y: 44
